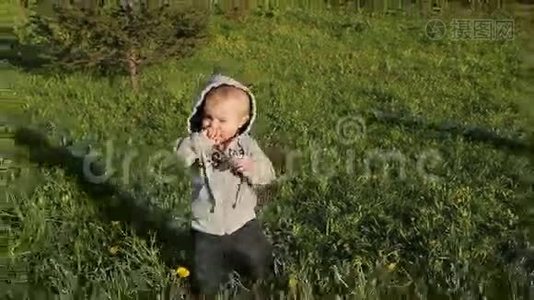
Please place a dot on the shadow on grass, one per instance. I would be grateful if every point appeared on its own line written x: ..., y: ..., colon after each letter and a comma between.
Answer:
x: 115, y: 203
x: 513, y: 144
x: 26, y: 57
x: 174, y: 239
x: 476, y: 134
x: 36, y: 59
x: 120, y: 205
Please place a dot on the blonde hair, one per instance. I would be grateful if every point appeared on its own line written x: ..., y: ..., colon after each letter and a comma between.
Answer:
x: 227, y: 92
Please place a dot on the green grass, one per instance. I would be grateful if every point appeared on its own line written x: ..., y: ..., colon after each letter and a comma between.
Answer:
x: 337, y: 233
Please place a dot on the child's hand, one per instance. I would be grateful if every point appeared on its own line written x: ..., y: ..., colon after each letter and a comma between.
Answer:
x: 213, y: 134
x: 244, y: 165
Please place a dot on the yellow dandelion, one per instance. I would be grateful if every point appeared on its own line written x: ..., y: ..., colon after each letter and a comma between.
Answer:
x: 391, y: 266
x: 293, y: 281
x: 114, y: 250
x: 181, y: 272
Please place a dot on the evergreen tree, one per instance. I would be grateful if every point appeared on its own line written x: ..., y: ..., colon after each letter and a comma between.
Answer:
x: 118, y: 38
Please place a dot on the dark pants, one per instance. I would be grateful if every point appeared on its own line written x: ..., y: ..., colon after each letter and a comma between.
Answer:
x: 246, y: 251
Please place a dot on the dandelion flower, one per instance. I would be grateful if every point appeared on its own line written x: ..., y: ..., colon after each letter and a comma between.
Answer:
x: 114, y: 250
x: 391, y: 266
x: 182, y: 272
x: 292, y: 281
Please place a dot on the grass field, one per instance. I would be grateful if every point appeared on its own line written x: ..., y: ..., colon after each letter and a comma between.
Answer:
x: 443, y: 216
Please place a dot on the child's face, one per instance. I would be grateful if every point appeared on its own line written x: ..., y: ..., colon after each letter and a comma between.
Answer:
x: 225, y: 116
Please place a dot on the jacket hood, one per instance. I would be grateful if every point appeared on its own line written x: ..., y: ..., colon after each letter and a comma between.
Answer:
x: 195, y: 119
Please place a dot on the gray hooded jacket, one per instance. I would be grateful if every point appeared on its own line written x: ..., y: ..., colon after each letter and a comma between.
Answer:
x: 222, y: 201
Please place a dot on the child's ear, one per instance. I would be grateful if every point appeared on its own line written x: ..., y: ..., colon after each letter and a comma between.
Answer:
x: 244, y: 120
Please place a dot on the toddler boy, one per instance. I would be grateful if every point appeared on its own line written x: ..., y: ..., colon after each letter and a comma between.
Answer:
x: 229, y: 164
